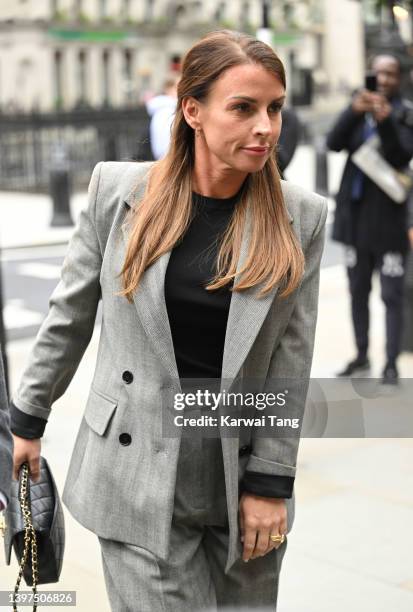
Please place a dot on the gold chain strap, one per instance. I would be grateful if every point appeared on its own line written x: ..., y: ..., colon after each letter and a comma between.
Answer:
x: 29, y: 536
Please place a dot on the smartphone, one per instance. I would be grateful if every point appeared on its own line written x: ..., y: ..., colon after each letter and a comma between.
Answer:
x: 370, y: 81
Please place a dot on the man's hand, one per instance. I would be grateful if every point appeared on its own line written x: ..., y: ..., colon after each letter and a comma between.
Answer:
x: 363, y: 102
x: 259, y: 518
x: 381, y: 107
x: 371, y: 102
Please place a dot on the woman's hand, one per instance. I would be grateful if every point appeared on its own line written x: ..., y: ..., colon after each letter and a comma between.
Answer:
x: 26, y: 450
x: 260, y: 517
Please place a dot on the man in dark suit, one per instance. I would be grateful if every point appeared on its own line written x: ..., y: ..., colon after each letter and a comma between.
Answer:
x: 289, y: 138
x: 371, y: 225
x: 6, y: 443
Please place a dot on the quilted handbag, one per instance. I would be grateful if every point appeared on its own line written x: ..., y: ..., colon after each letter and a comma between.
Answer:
x: 35, y: 521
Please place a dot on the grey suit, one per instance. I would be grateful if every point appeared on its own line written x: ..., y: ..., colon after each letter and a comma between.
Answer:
x: 6, y: 441
x: 126, y: 493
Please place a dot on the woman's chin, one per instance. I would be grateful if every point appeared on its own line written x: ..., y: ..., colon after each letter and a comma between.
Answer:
x: 250, y: 165
x: 255, y: 165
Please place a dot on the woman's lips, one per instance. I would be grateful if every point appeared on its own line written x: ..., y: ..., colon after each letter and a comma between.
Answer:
x: 256, y: 150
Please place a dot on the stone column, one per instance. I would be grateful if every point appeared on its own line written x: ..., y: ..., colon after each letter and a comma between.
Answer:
x: 343, y: 44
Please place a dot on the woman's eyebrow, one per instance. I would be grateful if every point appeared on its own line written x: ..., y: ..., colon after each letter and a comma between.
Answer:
x: 241, y: 97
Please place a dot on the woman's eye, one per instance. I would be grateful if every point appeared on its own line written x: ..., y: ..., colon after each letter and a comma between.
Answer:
x: 241, y: 106
x: 276, y: 108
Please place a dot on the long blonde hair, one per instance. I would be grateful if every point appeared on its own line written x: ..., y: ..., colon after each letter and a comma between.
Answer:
x: 165, y: 211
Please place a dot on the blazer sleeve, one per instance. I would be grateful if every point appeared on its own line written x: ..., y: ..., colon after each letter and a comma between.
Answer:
x: 271, y: 467
x: 6, y: 440
x: 67, y: 328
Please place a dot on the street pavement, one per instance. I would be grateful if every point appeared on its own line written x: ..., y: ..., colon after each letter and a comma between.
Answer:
x: 352, y: 540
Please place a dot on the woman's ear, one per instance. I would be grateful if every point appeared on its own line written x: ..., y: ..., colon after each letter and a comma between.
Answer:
x: 191, y: 112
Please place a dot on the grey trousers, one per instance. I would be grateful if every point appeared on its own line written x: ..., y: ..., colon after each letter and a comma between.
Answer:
x: 192, y: 579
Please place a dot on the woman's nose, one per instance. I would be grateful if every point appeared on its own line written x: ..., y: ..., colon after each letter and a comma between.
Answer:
x: 263, y: 126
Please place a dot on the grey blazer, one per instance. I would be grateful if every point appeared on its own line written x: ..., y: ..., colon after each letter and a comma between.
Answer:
x: 126, y: 493
x: 6, y: 440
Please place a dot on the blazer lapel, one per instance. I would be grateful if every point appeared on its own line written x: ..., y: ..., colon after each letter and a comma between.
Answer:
x: 245, y: 318
x: 150, y: 303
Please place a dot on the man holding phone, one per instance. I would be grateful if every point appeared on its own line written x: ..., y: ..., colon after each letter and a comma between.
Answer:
x: 372, y: 226
x: 379, y: 89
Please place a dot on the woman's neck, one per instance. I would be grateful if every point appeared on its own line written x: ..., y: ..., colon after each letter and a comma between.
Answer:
x: 214, y: 181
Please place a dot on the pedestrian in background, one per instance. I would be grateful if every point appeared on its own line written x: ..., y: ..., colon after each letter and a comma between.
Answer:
x: 208, y: 267
x: 367, y: 220
x: 289, y: 138
x: 6, y: 442
x: 410, y: 217
x: 162, y: 109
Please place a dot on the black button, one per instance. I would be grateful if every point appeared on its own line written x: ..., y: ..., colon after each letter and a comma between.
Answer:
x: 244, y: 450
x: 127, y: 377
x: 125, y: 439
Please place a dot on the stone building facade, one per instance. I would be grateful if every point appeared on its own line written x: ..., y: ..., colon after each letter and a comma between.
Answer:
x: 60, y: 54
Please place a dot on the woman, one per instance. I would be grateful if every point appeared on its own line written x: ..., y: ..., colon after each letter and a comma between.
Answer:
x: 178, y: 517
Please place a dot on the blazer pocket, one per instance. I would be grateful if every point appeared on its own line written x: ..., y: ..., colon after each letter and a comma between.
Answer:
x: 99, y: 411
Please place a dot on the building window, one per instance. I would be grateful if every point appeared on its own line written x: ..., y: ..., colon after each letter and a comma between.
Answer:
x: 103, y: 9
x: 180, y: 13
x: 78, y: 8
x: 54, y: 7
x: 149, y: 10
x: 128, y: 64
x: 82, y: 77
x: 58, y: 61
x: 105, y: 78
x: 245, y: 14
x: 128, y: 75
x: 126, y: 10
x: 220, y: 11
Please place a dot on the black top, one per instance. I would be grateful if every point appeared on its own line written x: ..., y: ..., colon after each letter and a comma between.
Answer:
x: 197, y: 318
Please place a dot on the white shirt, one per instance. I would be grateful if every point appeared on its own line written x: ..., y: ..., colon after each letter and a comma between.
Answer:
x: 3, y: 501
x: 162, y: 111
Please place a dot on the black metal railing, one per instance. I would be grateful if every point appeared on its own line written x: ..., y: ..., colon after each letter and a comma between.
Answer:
x: 30, y: 142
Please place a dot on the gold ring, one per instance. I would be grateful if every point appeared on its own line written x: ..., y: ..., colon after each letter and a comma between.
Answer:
x: 277, y: 538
